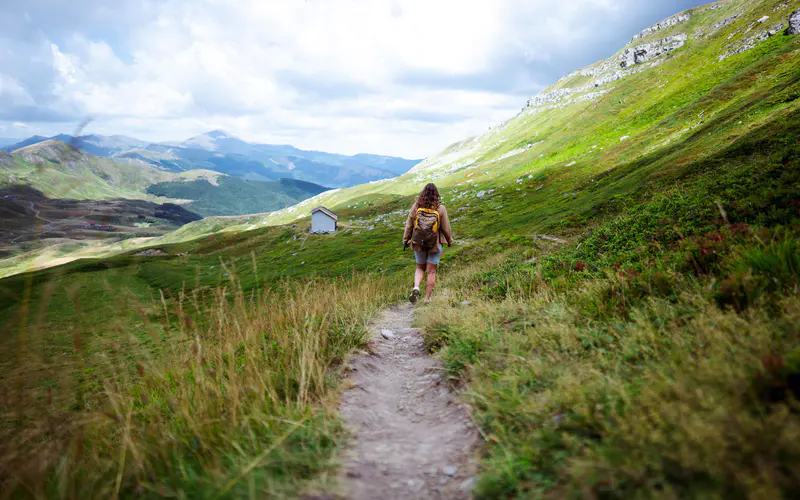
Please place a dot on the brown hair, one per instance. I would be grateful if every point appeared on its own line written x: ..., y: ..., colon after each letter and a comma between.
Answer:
x: 429, y: 197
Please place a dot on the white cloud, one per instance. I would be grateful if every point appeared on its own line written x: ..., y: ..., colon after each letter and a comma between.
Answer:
x: 12, y: 92
x: 396, y: 77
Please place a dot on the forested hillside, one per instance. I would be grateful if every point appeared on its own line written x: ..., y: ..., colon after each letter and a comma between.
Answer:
x: 234, y: 196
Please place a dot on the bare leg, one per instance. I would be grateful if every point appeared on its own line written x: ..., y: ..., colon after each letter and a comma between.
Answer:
x: 431, y: 280
x: 419, y: 273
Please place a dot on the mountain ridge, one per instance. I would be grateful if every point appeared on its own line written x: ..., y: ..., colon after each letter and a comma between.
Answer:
x: 221, y: 151
x: 61, y: 170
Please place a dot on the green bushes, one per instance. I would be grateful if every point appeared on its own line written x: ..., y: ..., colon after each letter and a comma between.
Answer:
x: 512, y: 278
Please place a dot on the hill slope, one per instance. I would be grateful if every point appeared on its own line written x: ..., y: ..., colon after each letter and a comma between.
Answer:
x: 31, y: 220
x: 61, y: 171
x: 235, y: 196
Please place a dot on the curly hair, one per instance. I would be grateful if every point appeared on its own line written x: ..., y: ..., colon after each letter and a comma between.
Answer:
x: 429, y: 197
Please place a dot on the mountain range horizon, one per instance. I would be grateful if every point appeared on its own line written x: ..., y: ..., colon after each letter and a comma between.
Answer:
x: 220, y: 151
x: 12, y: 143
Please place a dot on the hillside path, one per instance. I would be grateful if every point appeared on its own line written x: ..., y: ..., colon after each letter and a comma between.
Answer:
x: 412, y: 438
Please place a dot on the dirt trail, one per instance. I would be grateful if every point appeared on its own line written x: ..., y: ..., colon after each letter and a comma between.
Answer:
x: 412, y: 438
x: 44, y: 230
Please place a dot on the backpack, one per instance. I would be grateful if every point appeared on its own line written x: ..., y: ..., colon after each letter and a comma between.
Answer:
x: 426, y: 229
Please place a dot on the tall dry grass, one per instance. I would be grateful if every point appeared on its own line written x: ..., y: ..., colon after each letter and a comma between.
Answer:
x: 231, y: 399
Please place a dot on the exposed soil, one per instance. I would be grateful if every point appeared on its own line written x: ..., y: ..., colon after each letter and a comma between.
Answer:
x: 412, y: 438
x: 28, y: 219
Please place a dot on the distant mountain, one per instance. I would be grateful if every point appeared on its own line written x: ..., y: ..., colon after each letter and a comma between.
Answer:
x: 235, y: 196
x: 222, y: 152
x: 222, y: 142
x: 6, y: 141
x: 219, y: 141
x: 60, y: 170
x: 25, y: 142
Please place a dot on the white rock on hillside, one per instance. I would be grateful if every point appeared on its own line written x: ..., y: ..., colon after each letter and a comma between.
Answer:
x: 794, y: 23
x: 751, y: 41
x: 672, y: 21
x: 647, y: 51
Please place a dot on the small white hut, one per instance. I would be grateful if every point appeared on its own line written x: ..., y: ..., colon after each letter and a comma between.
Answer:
x: 323, y: 220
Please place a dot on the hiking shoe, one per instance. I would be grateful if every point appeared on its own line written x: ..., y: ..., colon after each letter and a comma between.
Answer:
x: 414, y: 295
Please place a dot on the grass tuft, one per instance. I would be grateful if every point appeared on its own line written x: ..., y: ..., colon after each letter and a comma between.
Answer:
x: 236, y: 400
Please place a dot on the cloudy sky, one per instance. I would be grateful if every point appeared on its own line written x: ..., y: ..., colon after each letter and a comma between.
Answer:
x: 401, y: 77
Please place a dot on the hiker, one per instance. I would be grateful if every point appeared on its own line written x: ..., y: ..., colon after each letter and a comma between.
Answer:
x: 427, y: 229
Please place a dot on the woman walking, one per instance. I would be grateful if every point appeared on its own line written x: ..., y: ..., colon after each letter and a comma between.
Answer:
x: 427, y: 230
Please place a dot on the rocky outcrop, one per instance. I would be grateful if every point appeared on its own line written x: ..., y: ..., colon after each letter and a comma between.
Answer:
x: 751, y: 41
x: 609, y: 71
x: 647, y: 51
x: 794, y: 23
x: 666, y: 23
x: 706, y: 31
x: 561, y: 99
x: 724, y: 22
x: 550, y: 97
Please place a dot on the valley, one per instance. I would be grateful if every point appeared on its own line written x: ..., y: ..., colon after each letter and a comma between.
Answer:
x: 618, y: 313
x: 30, y: 219
x: 214, y: 174
x: 235, y: 196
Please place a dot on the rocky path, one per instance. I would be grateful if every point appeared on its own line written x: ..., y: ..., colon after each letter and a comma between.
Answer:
x: 412, y: 438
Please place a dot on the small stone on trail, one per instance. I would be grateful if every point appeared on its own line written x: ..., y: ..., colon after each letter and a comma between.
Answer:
x: 468, y: 484
x: 465, y: 302
x: 387, y: 334
x: 450, y: 471
x: 419, y: 412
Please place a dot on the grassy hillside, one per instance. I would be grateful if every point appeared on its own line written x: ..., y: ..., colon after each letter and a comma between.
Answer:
x: 60, y: 171
x: 622, y: 307
x: 234, y: 196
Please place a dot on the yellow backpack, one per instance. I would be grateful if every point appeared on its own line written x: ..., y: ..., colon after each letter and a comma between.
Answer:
x: 426, y: 229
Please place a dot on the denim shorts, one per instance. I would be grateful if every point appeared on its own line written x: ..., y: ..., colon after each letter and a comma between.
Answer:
x: 429, y: 257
